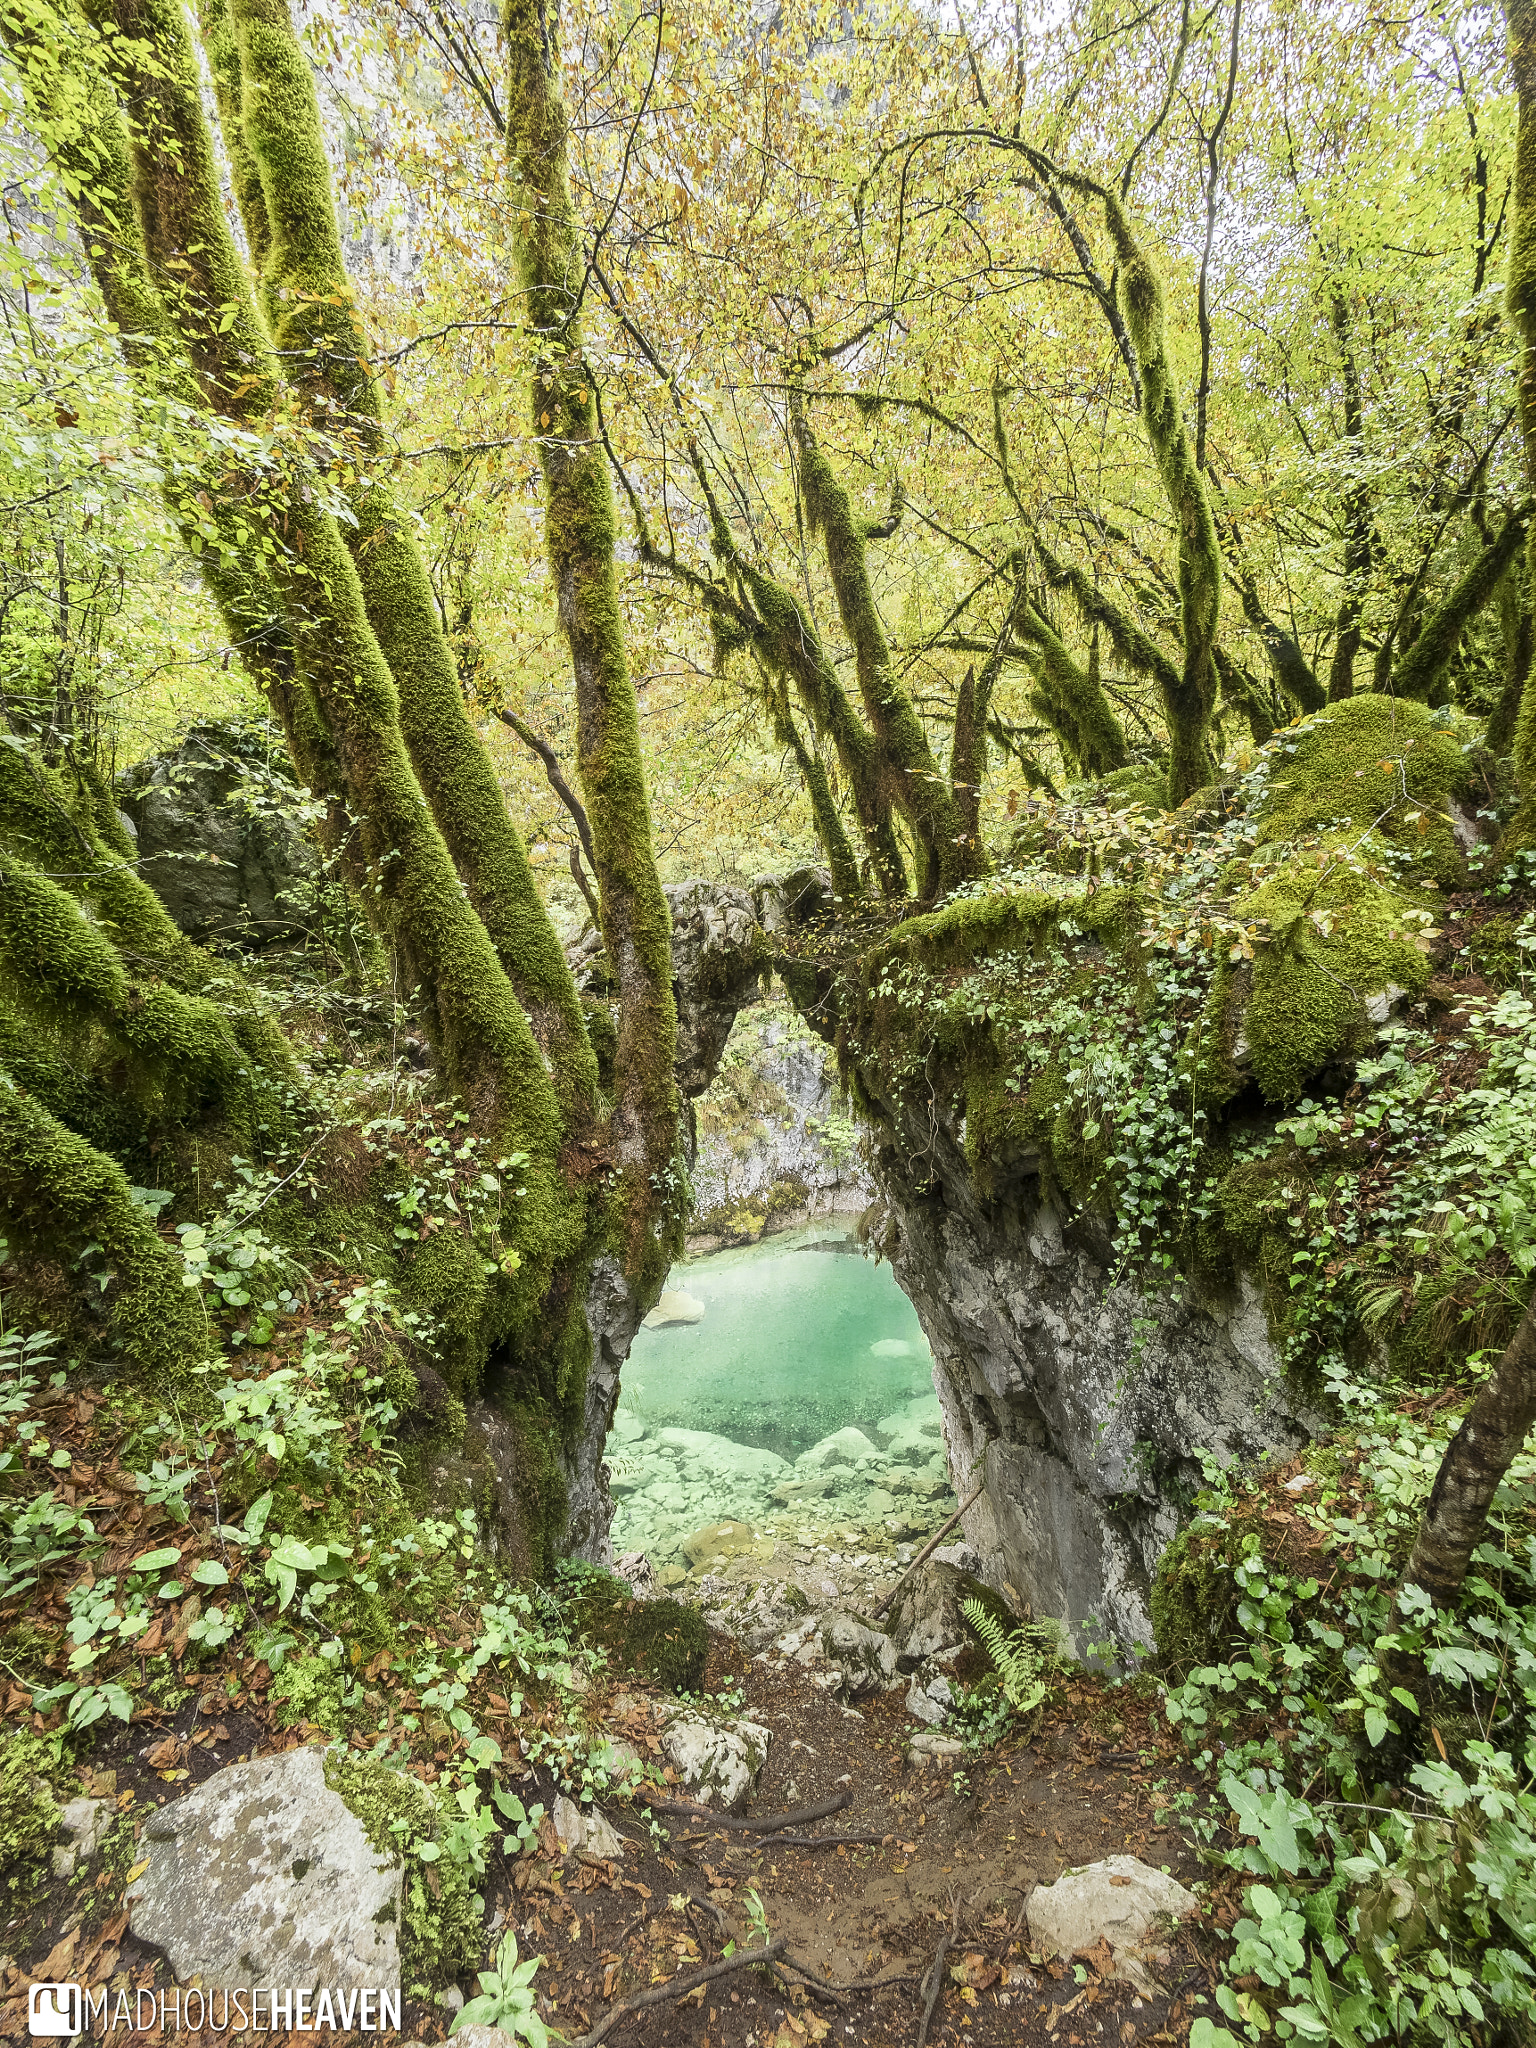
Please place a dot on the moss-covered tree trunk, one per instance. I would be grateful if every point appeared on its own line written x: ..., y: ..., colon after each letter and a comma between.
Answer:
x: 581, y: 528
x: 1520, y: 24
x: 1190, y: 698
x: 1359, y: 534
x: 282, y: 180
x: 1476, y: 1459
x: 412, y: 891
x: 948, y: 853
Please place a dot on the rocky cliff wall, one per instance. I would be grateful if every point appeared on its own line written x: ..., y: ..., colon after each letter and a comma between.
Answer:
x: 776, y: 1143
x: 1084, y: 1407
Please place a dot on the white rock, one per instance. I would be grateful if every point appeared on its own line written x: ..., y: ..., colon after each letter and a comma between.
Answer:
x: 263, y: 1876
x: 674, y: 1306
x: 638, y: 1573
x: 960, y: 1555
x: 1122, y: 1901
x: 602, y: 1838
x: 930, y: 1743
x: 930, y: 1702
x: 570, y: 1830
x: 848, y: 1446
x: 87, y: 1822
x: 718, y: 1761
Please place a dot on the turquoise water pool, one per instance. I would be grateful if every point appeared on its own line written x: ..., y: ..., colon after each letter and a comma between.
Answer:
x: 800, y: 1336
x: 787, y: 1387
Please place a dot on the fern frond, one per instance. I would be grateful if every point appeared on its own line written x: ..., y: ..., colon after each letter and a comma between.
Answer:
x: 1016, y: 1657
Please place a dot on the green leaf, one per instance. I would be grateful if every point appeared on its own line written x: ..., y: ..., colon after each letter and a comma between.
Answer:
x: 210, y: 1573
x: 155, y: 1560
x: 1376, y: 1726
x: 1206, y: 2034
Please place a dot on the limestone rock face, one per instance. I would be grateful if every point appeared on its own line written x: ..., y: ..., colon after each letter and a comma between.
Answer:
x: 718, y: 1761
x: 1083, y: 1404
x: 1122, y: 1901
x: 263, y: 1875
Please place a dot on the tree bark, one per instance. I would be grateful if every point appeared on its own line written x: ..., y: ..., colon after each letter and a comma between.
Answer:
x: 1189, y: 702
x: 636, y: 923
x: 1359, y: 534
x: 311, y: 313
x: 920, y: 791
x: 1520, y: 23
x: 1419, y: 670
x: 1476, y: 1459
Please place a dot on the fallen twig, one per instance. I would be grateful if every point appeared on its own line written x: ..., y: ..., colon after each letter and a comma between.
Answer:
x: 926, y: 1552
x: 679, y: 1987
x: 819, y: 1985
x: 935, y: 1977
x: 823, y: 1841
x: 756, y: 1824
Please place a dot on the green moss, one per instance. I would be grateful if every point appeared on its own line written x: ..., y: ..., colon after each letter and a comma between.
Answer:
x: 1336, y: 937
x: 312, y: 311
x: 1378, y: 765
x: 1494, y: 952
x: 662, y: 1641
x: 442, y: 1937
x: 925, y: 798
x: 1141, y: 783
x: 29, y: 1815
x: 1194, y: 1602
x: 1072, y: 701
x: 57, y: 1193
x: 311, y: 1689
x: 1188, y: 701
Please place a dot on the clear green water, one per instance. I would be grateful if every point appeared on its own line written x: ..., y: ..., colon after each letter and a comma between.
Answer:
x: 794, y: 1343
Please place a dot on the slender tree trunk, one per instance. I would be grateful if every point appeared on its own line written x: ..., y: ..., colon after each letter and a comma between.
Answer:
x: 923, y: 795
x: 1189, y: 702
x: 1518, y: 626
x: 1359, y: 534
x: 1520, y: 21
x: 1476, y: 1459
x: 1072, y: 700
x: 1420, y: 669
x: 580, y: 522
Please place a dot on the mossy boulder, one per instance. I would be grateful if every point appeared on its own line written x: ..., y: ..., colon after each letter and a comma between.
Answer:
x: 1194, y: 1600
x: 442, y: 1936
x: 1360, y: 818
x: 1399, y: 771
x: 663, y: 1641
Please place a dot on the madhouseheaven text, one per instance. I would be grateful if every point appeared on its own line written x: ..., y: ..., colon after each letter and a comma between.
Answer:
x: 259, y: 2010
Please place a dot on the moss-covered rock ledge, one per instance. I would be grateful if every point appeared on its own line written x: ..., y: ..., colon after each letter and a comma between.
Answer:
x: 1140, y: 1104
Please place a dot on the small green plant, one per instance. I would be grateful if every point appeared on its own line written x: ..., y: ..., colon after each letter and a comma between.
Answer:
x: 1019, y: 1660
x: 506, y: 1999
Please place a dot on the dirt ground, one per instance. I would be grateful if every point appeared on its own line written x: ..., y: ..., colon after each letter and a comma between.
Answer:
x: 953, y: 1858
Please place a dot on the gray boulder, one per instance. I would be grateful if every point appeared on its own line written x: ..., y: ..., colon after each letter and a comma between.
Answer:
x: 866, y: 1658
x: 223, y: 833
x: 1122, y: 1901
x: 263, y: 1875
x: 930, y: 1702
x: 717, y: 1761
x: 925, y: 1616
